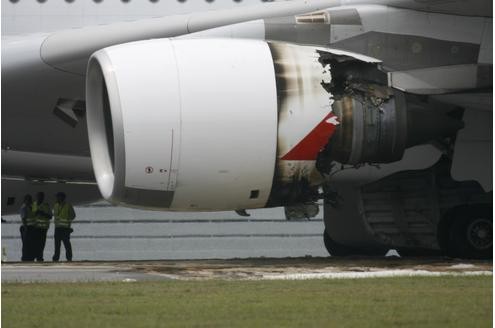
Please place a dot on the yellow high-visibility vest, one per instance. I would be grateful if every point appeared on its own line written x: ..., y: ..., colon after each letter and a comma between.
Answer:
x: 42, y: 222
x: 30, y: 219
x: 64, y: 214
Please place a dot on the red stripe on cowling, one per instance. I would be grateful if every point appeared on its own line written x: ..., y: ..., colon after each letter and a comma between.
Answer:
x: 309, y: 147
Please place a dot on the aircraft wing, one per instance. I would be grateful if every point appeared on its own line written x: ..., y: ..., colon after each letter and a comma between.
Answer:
x: 70, y: 49
x: 482, y: 8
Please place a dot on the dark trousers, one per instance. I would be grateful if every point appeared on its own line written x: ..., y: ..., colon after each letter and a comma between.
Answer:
x: 29, y: 243
x: 40, y: 242
x: 23, y: 232
x: 62, y: 235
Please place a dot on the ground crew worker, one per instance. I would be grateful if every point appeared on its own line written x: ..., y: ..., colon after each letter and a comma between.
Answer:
x: 43, y: 214
x: 27, y: 228
x: 64, y: 214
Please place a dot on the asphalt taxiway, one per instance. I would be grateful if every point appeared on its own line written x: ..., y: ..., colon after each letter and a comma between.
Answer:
x: 105, y: 233
x: 241, y: 269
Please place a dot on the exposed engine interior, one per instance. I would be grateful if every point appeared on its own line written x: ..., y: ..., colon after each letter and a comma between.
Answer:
x: 152, y: 146
x: 378, y: 123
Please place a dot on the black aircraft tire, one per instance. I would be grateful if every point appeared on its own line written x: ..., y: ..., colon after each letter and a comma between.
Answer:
x: 336, y: 249
x: 472, y: 237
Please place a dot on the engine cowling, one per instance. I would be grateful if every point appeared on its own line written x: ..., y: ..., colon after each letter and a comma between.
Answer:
x: 222, y: 124
x: 196, y: 124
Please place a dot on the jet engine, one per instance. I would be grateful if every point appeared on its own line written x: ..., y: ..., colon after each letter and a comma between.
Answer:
x: 222, y: 124
x: 380, y: 133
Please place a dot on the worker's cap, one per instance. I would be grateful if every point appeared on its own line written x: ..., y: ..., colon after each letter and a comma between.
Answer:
x: 60, y: 194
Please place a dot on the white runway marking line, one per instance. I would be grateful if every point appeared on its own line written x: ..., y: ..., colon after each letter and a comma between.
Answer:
x: 371, y: 274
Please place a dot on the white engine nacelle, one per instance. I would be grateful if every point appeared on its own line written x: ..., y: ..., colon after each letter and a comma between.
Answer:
x: 222, y: 124
x: 206, y: 124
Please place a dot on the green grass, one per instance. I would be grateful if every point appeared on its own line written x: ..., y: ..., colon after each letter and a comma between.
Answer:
x: 406, y: 302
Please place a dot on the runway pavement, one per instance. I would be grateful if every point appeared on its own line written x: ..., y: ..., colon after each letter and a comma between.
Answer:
x: 241, y: 269
x: 127, y: 245
x: 105, y: 233
x: 69, y: 273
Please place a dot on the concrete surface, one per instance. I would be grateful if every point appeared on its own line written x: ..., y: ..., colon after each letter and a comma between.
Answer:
x: 104, y: 233
x: 241, y: 269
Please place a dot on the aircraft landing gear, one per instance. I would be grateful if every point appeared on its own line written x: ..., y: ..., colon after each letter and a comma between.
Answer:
x: 470, y: 233
x: 336, y: 249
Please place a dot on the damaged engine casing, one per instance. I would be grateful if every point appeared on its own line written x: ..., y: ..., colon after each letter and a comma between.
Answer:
x: 222, y: 124
x: 368, y: 133
x: 378, y: 123
x: 371, y: 132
